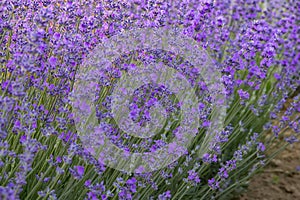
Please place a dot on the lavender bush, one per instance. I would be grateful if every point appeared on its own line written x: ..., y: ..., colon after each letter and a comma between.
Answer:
x: 253, y: 44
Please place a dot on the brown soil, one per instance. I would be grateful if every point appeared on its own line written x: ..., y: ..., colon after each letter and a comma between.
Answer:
x: 280, y: 180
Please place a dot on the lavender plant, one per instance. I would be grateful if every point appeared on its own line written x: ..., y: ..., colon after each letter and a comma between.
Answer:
x: 254, y: 44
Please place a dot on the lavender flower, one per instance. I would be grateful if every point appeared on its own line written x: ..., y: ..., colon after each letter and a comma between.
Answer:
x: 43, y: 44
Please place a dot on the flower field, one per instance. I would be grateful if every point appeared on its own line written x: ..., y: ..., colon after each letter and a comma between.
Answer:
x: 145, y: 99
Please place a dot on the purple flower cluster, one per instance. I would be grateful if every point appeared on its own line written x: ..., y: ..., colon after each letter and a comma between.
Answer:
x: 255, y: 44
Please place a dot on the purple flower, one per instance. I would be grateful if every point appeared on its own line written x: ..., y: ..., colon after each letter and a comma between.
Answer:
x: 243, y: 94
x: 209, y: 158
x: 261, y: 147
x: 165, y: 196
x: 275, y: 130
x: 45, y: 43
x: 92, y: 196
x: 56, y: 36
x: 80, y: 170
x: 223, y: 173
x: 23, y: 138
x: 277, y: 76
x: 206, y: 123
x: 140, y: 170
x: 291, y: 139
x: 77, y: 171
x: 213, y: 184
x: 58, y: 159
x: 131, y: 184
x: 172, y: 147
x: 193, y: 176
x: 53, y: 61
x: 87, y: 183
x: 131, y: 181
